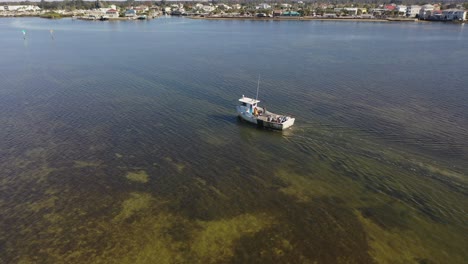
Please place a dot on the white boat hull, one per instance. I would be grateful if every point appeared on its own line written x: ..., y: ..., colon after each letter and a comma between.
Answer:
x: 262, y: 121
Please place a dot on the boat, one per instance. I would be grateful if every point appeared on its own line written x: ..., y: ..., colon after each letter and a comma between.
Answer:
x: 249, y: 111
x: 142, y: 17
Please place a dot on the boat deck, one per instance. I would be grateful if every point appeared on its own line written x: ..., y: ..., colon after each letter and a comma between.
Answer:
x: 268, y: 116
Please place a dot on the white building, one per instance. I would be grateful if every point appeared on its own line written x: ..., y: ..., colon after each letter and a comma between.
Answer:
x: 177, y: 7
x: 21, y: 8
x: 454, y: 14
x: 104, y: 10
x: 413, y: 11
x: 223, y: 7
x: 401, y: 9
x: 426, y: 11
x: 285, y: 5
x: 236, y: 6
x: 208, y: 8
x: 112, y: 13
x: 263, y: 6
x: 130, y: 13
x: 141, y: 9
x: 351, y: 10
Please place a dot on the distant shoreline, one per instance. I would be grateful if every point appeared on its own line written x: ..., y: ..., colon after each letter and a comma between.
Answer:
x: 247, y: 18
x: 307, y: 19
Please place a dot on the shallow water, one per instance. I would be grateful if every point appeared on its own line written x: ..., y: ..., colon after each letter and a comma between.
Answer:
x: 119, y: 142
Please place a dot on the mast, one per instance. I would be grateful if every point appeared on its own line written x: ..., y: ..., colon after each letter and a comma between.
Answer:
x: 258, y: 86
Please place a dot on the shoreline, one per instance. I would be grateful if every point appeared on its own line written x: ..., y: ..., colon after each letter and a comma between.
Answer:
x: 248, y: 18
x: 290, y: 19
x: 310, y: 19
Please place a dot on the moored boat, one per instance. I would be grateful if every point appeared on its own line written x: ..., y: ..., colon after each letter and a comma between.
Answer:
x: 249, y: 111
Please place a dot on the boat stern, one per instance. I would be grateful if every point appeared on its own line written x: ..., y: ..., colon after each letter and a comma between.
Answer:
x: 288, y: 123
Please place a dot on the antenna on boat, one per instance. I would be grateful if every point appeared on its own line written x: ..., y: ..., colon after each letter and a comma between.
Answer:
x: 258, y: 86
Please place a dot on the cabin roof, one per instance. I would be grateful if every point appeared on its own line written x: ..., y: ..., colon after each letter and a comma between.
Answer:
x: 248, y: 100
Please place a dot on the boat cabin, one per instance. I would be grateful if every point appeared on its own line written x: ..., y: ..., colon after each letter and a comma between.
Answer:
x: 249, y: 104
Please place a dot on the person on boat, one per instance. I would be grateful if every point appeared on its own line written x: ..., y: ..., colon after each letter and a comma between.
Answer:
x: 255, y: 112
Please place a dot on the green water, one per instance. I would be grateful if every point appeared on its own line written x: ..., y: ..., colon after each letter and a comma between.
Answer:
x: 120, y: 144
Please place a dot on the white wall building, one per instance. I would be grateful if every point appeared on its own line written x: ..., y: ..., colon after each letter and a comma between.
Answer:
x: 412, y: 11
x: 104, y: 10
x: 426, y: 11
x: 351, y: 10
x: 208, y: 8
x: 21, y: 8
x: 454, y: 14
x: 112, y: 13
x: 263, y: 6
x: 401, y: 9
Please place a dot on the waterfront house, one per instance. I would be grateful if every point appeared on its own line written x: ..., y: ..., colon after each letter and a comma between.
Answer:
x: 378, y: 11
x: 141, y: 9
x: 130, y: 13
x: 350, y: 10
x: 277, y: 13
x: 413, y: 11
x: 401, y: 9
x: 112, y: 13
x: 290, y: 13
x: 236, y: 6
x: 434, y: 15
x: 263, y: 6
x: 454, y: 15
x: 208, y: 8
x: 21, y: 8
x: 426, y: 11
x: 390, y: 7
